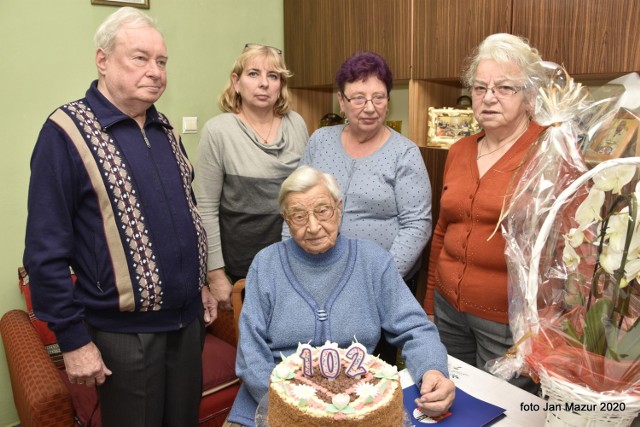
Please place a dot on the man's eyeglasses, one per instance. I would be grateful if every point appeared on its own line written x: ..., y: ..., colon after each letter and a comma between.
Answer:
x: 500, y: 91
x: 257, y: 46
x: 300, y: 218
x: 361, y: 101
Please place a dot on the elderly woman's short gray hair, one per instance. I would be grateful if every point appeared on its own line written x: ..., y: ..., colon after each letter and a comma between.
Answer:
x: 305, y: 178
x: 504, y: 49
x: 125, y: 16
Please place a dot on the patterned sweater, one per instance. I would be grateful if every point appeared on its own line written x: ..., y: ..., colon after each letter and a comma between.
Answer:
x: 114, y: 202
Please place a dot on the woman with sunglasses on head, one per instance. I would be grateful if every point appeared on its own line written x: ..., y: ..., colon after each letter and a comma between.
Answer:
x: 387, y: 194
x: 244, y: 155
x: 467, y: 285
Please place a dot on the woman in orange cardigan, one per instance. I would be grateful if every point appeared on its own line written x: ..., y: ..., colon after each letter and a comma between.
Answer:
x: 467, y: 286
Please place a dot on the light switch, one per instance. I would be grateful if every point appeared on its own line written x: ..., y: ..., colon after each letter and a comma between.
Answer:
x: 189, y: 125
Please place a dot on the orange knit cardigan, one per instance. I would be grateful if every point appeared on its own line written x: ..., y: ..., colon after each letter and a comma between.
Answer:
x: 466, y: 267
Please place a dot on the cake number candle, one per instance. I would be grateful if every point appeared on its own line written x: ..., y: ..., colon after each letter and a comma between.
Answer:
x: 355, y: 354
x: 307, y: 359
x: 330, y: 362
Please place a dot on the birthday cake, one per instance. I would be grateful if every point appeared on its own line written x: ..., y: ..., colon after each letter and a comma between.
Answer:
x: 330, y: 386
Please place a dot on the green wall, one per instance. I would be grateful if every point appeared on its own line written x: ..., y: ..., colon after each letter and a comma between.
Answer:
x: 47, y: 59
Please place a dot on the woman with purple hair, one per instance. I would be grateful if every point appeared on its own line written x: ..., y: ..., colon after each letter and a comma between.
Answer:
x: 387, y: 194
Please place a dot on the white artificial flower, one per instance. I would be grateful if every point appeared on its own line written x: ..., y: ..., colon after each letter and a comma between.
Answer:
x: 572, y: 295
x: 388, y: 372
x: 303, y: 392
x: 634, y: 247
x: 295, y: 358
x: 575, y: 237
x: 328, y: 344
x: 282, y: 372
x: 636, y: 196
x: 569, y: 256
x: 610, y: 259
x: 340, y: 401
x: 623, y: 282
x: 617, y: 230
x: 632, y: 271
x: 614, y: 178
x: 589, y: 210
x: 366, y: 391
x: 303, y: 345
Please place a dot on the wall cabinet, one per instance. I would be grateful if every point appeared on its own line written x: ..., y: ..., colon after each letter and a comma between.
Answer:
x: 321, y: 34
x: 383, y: 26
x: 308, y: 39
x: 594, y: 38
x: 446, y: 31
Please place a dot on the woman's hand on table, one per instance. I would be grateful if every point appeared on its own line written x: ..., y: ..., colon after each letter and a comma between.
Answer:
x: 436, y: 393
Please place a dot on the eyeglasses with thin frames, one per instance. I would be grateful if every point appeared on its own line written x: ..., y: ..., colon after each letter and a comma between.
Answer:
x: 300, y: 218
x: 500, y: 91
x: 361, y: 101
x: 257, y: 46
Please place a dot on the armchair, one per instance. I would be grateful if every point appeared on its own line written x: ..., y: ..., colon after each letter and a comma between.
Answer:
x: 44, y: 397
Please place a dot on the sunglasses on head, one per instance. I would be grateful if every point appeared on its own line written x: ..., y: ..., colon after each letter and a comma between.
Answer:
x: 256, y: 45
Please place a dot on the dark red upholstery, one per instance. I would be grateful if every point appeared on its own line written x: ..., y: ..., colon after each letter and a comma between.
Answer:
x: 44, y: 397
x: 46, y: 335
x: 39, y: 393
x: 219, y: 382
x: 85, y: 403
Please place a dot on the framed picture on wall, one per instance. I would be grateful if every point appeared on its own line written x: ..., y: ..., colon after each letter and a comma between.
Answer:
x: 447, y: 125
x: 143, y: 4
x: 613, y: 140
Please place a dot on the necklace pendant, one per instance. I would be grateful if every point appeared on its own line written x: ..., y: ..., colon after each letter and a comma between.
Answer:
x: 255, y: 129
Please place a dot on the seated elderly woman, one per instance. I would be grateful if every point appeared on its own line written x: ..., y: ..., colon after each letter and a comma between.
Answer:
x: 355, y: 281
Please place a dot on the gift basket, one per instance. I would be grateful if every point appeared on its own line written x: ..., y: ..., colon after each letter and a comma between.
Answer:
x: 573, y: 249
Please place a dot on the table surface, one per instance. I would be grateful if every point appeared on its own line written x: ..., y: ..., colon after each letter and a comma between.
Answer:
x: 489, y: 388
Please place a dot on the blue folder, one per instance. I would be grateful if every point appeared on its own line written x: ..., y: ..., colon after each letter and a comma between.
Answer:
x: 466, y: 411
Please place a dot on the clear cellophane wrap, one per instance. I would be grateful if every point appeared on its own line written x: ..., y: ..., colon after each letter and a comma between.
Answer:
x: 549, y: 297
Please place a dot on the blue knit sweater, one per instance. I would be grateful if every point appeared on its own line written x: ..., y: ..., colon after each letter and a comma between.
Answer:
x: 370, y: 296
x: 386, y: 195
